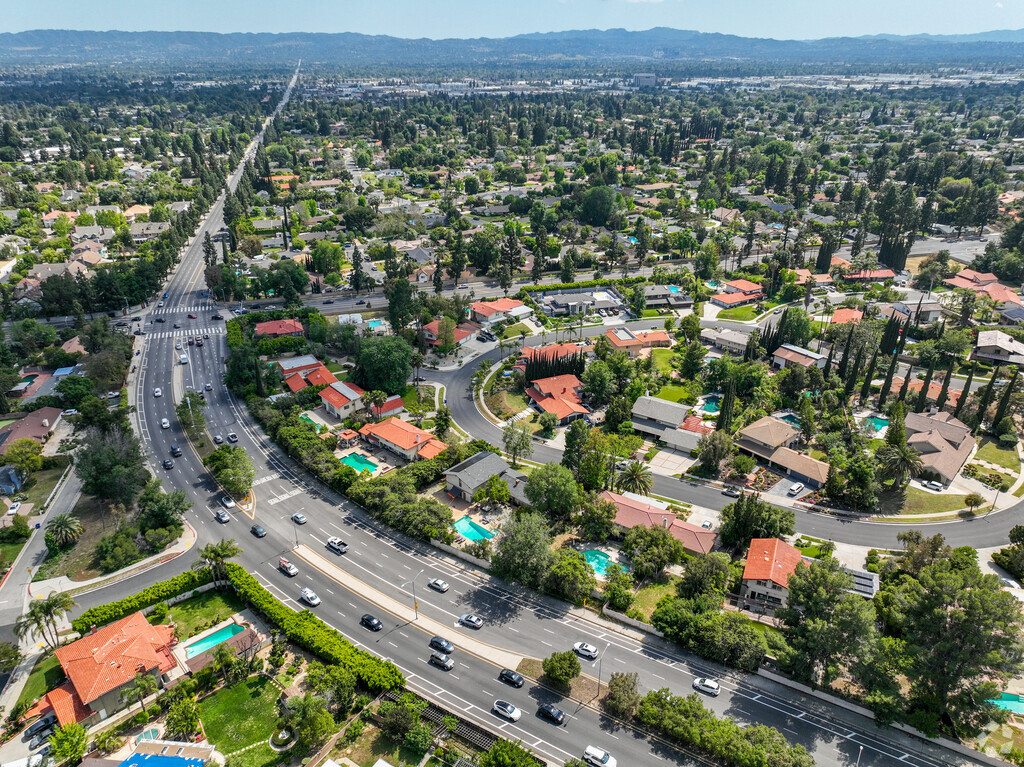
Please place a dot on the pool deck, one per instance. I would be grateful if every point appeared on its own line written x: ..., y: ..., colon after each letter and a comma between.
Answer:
x: 378, y: 456
x: 243, y: 618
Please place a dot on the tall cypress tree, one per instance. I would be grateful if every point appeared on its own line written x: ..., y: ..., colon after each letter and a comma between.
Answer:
x: 828, y: 362
x: 966, y: 391
x: 845, y: 361
x: 906, y: 385
x: 1004, y: 401
x: 851, y: 378
x: 727, y: 407
x: 865, y: 390
x: 944, y: 394
x: 922, y: 398
x: 887, y: 384
x: 986, y: 396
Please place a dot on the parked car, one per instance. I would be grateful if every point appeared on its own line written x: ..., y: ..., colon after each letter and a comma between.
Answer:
x: 335, y: 544
x: 438, y: 585
x: 796, y: 488
x: 441, y: 644
x: 507, y: 710
x: 258, y: 531
x: 39, y: 725
x: 585, y: 650
x: 40, y: 738
x: 933, y: 485
x: 707, y: 685
x: 471, y: 620
x: 732, y: 492
x: 218, y: 439
x: 309, y: 596
x: 508, y: 676
x: 14, y: 508
x: 551, y: 712
x: 371, y: 622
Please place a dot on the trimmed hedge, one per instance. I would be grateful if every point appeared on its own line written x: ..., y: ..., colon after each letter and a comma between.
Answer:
x: 235, y: 335
x: 605, y: 283
x: 308, y: 631
x: 158, y: 592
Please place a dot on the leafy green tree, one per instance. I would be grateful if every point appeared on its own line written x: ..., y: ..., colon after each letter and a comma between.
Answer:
x: 523, y: 554
x: 548, y: 422
x: 25, y: 455
x: 494, y: 490
x: 384, y: 363
x: 597, y: 205
x: 714, y: 448
x: 505, y: 753
x: 553, y: 492
x: 183, y: 719
x: 233, y: 469
x: 828, y: 628
x: 560, y: 668
x: 518, y: 441
x: 623, y: 694
x: 570, y: 577
x: 309, y: 720
x: 704, y: 575
x: 576, y: 437
x: 73, y: 389
x: 110, y: 465
x: 10, y: 656
x: 191, y: 414
x: 618, y: 587
x: 749, y: 517
x: 651, y: 550
x: 68, y: 743
x: 597, y: 518
x: 974, y: 500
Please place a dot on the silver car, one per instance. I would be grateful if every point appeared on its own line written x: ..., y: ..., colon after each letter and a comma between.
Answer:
x: 438, y: 585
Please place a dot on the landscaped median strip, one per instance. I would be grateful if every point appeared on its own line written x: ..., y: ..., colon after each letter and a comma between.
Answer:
x: 406, y: 612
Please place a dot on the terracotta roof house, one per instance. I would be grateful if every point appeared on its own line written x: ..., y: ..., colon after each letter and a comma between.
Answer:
x: 490, y: 312
x: 770, y: 562
x: 633, y: 510
x: 626, y: 340
x: 342, y: 399
x: 934, y: 390
x: 943, y: 442
x: 847, y: 316
x: 393, y: 405
x: 104, y: 661
x: 871, y: 275
x: 277, y: 328
x: 737, y: 293
x: 983, y: 282
x: 430, y: 331
x: 559, y: 395
x: 404, y: 439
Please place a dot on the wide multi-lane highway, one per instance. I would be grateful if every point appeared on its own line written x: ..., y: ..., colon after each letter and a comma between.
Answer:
x: 381, y: 571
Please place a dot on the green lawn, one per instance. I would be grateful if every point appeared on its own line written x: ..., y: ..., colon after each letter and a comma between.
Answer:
x: 9, y: 551
x: 672, y: 393
x: 514, y: 331
x: 334, y: 367
x: 648, y: 597
x: 654, y: 313
x: 662, y: 360
x: 915, y: 501
x: 46, y: 675
x: 371, y: 746
x: 992, y: 451
x: 240, y: 715
x: 40, y: 485
x: 739, y: 313
x: 204, y: 610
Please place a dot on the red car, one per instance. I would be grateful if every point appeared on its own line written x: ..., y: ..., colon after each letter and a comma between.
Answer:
x: 193, y: 316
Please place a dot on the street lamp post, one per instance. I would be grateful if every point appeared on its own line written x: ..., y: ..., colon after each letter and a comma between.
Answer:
x: 859, y: 754
x: 415, y: 602
x: 600, y: 665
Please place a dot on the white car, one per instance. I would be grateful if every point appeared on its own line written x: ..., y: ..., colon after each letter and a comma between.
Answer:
x: 287, y: 567
x: 164, y: 423
x: 158, y: 392
x: 227, y: 502
x: 507, y: 710
x: 177, y: 345
x: 598, y: 757
x: 585, y: 650
x: 335, y: 544
x: 707, y: 685
x: 796, y: 488
x: 438, y: 585
x: 309, y: 597
x: 13, y: 509
x: 933, y: 485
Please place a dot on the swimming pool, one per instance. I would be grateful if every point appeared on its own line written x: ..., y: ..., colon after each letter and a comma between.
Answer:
x: 597, y: 560
x: 1009, y: 702
x: 470, y: 530
x: 214, y: 639
x: 30, y: 378
x: 359, y: 462
x: 875, y: 423
x: 151, y: 734
x: 375, y: 324
x: 791, y: 419
x: 632, y: 240
x: 711, y: 404
x: 307, y: 419
x: 674, y: 289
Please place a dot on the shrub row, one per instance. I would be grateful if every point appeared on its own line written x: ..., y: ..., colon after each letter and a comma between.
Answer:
x: 606, y: 283
x: 686, y: 721
x: 234, y: 333
x: 158, y: 592
x: 308, y: 631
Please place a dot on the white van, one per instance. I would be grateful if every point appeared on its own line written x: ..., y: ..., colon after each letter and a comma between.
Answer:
x: 183, y: 358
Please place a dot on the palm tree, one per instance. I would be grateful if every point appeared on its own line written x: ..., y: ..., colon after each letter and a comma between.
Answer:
x: 213, y: 555
x: 33, y: 623
x: 141, y: 688
x: 65, y: 529
x: 635, y: 478
x: 901, y: 462
x: 417, y: 362
x: 224, y: 658
x: 375, y: 399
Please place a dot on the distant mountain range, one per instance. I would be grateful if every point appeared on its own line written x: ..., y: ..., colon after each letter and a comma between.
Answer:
x: 654, y: 49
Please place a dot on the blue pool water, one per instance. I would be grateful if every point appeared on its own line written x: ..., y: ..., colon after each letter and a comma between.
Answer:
x: 711, y: 404
x: 674, y: 289
x: 790, y: 418
x: 633, y: 240
x: 875, y: 423
x: 471, y: 531
x: 359, y: 462
x: 214, y: 639
x: 1009, y: 702
x: 375, y: 323
x: 597, y: 560
x: 151, y: 734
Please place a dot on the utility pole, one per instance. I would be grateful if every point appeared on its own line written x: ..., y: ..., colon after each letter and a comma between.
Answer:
x: 415, y: 602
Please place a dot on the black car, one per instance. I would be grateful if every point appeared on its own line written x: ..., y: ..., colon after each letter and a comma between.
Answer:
x: 371, y: 622
x: 140, y: 332
x: 168, y: 463
x: 508, y: 676
x: 160, y: 320
x: 329, y: 301
x: 38, y: 726
x: 258, y: 531
x: 120, y: 324
x: 551, y: 713
x: 175, y: 451
x: 442, y: 644
x: 217, y: 317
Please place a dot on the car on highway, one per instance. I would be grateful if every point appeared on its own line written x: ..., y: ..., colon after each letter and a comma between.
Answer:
x: 168, y: 463
x: 335, y: 544
x: 598, y: 757
x: 191, y: 341
x: 222, y: 516
x: 208, y: 387
x: 551, y: 712
x: 232, y: 437
x: 227, y: 502
x: 471, y: 620
x: 441, y: 644
x: 441, y: 660
x: 175, y: 451
x: 158, y: 392
x: 161, y: 320
x: 371, y: 622
x: 120, y: 324
x: 419, y: 379
x: 140, y: 332
x: 287, y: 567
x: 193, y: 317
x: 732, y: 492
x: 508, y: 676
x: 199, y: 342
x: 164, y: 423
x: 795, y: 489
x: 309, y: 596
x: 177, y: 345
x: 328, y: 301
x: 258, y: 531
x: 360, y: 303
x: 585, y: 650
x: 507, y: 710
x: 159, y: 303
x: 166, y: 295
x: 176, y: 326
x: 298, y: 518
x: 707, y: 685
x: 216, y: 317
x: 218, y: 439
x: 438, y: 585
x: 50, y: 720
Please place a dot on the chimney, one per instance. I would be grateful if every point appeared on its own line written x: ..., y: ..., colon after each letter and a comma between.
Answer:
x: 46, y: 422
x: 664, y: 521
x: 92, y: 629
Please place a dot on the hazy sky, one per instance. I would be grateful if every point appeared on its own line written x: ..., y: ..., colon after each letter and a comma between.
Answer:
x: 801, y: 19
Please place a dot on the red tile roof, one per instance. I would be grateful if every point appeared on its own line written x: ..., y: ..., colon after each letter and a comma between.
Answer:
x: 771, y: 559
x: 736, y: 298
x: 847, y: 316
x: 278, y: 327
x: 631, y: 512
x: 295, y: 382
x: 65, y: 704
x: 743, y: 285
x: 696, y: 424
x: 341, y: 393
x: 404, y: 436
x: 108, y: 658
x: 321, y: 376
x: 487, y: 308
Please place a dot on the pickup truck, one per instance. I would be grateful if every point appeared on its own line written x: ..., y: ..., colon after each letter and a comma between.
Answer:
x: 287, y: 567
x: 337, y: 545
